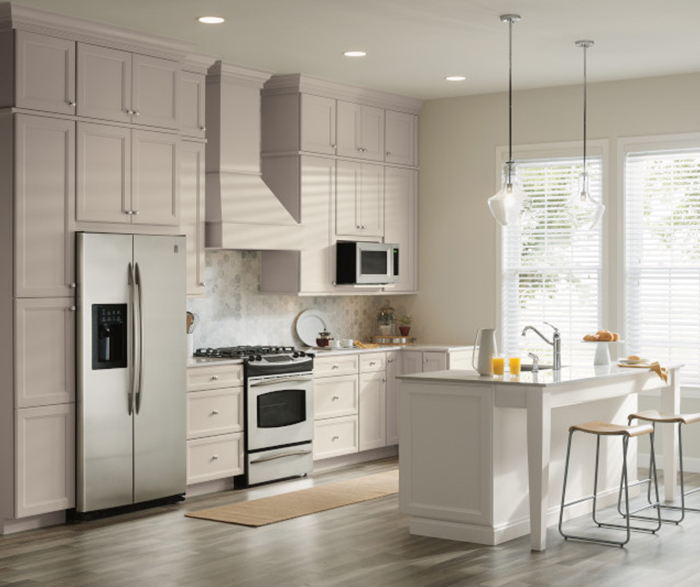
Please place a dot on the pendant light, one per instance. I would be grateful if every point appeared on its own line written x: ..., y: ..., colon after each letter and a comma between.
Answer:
x: 507, y: 203
x: 587, y: 209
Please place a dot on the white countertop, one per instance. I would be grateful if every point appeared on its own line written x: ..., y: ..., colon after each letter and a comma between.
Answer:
x: 203, y: 361
x: 395, y: 347
x: 544, y: 378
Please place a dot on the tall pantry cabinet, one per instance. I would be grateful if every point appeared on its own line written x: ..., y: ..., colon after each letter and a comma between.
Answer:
x: 89, y: 140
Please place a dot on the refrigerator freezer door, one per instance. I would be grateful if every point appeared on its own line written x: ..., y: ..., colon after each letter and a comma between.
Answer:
x: 159, y: 421
x: 104, y: 426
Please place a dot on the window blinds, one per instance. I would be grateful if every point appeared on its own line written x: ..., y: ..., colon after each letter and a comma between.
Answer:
x: 551, y: 263
x: 662, y: 250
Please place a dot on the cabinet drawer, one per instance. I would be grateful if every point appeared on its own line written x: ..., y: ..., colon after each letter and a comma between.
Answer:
x: 213, y: 412
x: 338, y: 365
x: 214, y: 458
x: 335, y: 437
x: 372, y: 362
x: 335, y: 396
x: 214, y: 377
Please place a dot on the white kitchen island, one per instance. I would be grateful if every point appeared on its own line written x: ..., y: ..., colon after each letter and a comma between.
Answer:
x: 481, y: 458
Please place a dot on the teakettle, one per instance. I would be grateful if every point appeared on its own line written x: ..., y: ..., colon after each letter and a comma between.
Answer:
x: 486, y: 341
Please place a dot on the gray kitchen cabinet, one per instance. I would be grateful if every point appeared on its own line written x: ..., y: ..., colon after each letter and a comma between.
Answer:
x: 192, y: 178
x: 127, y: 176
x: 400, y: 222
x: 44, y: 199
x: 192, y: 104
x: 46, y: 377
x: 45, y: 460
x: 127, y: 87
x: 307, y: 186
x: 44, y: 73
x: 359, y: 199
x: 401, y: 129
x: 360, y: 131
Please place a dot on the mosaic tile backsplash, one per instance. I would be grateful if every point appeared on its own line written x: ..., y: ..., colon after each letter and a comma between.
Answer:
x: 235, y: 312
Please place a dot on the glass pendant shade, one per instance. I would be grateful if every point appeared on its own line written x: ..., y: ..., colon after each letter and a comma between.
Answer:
x: 587, y: 210
x: 507, y: 203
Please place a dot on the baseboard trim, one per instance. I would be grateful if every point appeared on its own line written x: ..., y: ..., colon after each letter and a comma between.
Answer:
x: 355, y: 458
x: 690, y: 464
x: 33, y: 523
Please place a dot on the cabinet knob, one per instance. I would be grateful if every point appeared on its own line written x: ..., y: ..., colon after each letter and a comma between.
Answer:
x: 215, y: 377
x: 388, y: 153
x: 335, y: 367
x: 384, y: 380
x: 201, y: 284
x: 333, y: 145
x: 214, y: 412
x: 335, y: 398
x: 128, y: 212
x: 135, y: 212
x: 129, y: 111
x: 71, y: 103
x: 425, y: 360
x: 372, y: 363
x: 214, y: 457
x: 135, y: 112
x: 359, y: 149
x: 336, y: 437
x: 363, y: 227
x: 202, y: 128
x: 390, y: 360
x: 72, y: 308
x: 72, y: 286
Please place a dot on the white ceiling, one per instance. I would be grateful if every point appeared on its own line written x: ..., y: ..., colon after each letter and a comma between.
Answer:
x: 413, y: 44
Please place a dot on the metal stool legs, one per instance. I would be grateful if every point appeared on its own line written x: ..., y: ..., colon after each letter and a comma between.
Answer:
x: 594, y: 497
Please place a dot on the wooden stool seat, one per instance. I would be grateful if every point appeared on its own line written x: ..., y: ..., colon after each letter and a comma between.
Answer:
x: 666, y: 418
x: 608, y: 429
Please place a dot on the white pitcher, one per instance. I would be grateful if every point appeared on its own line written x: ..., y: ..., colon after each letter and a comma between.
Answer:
x: 486, y: 341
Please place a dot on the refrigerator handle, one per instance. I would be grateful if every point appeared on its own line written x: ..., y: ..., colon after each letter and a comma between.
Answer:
x: 132, y: 358
x: 139, y: 298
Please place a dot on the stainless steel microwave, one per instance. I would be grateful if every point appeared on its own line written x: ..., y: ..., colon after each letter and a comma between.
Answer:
x: 361, y: 263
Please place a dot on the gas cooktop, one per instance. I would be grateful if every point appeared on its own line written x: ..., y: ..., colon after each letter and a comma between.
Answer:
x: 248, y: 352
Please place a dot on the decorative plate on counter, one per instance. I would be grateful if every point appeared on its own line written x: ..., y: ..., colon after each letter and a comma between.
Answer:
x: 309, y: 324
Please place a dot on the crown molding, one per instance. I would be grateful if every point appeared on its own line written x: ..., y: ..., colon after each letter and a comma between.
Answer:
x: 223, y: 72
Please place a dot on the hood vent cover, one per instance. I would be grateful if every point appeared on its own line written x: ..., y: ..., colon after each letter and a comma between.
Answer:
x: 241, y: 211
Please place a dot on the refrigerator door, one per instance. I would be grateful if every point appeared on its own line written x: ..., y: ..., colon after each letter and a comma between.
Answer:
x: 159, y: 420
x: 104, y: 424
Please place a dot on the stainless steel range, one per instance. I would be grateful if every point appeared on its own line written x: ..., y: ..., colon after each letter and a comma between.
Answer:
x: 279, y: 424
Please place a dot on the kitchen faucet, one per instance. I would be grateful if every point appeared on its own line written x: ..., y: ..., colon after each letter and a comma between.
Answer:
x: 555, y: 343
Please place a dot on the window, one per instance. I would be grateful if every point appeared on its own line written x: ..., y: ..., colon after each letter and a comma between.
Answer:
x: 552, y: 264
x: 662, y: 258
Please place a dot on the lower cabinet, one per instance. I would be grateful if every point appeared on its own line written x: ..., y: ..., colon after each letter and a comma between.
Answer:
x: 45, y: 459
x: 393, y: 364
x: 214, y: 422
x: 335, y: 437
x: 372, y: 400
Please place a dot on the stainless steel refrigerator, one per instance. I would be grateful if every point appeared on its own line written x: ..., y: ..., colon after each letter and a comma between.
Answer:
x: 130, y: 369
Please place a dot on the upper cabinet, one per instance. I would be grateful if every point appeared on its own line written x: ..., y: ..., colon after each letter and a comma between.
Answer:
x: 318, y: 129
x: 192, y: 104
x: 45, y: 73
x: 125, y: 87
x: 359, y: 199
x: 360, y: 131
x: 400, y: 138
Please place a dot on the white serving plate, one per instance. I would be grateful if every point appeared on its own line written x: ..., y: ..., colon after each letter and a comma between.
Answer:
x: 309, y: 324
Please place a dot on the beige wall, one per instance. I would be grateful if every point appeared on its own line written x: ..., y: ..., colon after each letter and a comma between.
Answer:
x: 458, y: 142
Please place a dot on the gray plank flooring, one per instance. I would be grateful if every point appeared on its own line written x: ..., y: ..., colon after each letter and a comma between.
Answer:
x: 366, y: 544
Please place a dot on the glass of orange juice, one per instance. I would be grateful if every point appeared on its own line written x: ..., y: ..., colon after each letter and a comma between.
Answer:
x: 514, y: 363
x: 498, y: 365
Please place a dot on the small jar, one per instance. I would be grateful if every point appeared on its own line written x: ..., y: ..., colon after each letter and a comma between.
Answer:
x: 324, y: 339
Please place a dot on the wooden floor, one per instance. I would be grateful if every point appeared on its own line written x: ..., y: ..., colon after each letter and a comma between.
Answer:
x: 362, y: 545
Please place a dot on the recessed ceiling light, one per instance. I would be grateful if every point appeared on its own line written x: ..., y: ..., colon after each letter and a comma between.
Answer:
x: 455, y: 78
x: 355, y: 54
x: 210, y: 19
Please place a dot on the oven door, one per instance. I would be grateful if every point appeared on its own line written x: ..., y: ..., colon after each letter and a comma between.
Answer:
x: 280, y: 411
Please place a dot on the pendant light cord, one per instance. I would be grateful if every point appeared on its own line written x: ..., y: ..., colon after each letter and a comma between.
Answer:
x: 585, y: 100
x: 510, y: 99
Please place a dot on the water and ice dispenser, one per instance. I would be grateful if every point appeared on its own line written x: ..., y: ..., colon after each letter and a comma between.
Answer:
x: 109, y: 332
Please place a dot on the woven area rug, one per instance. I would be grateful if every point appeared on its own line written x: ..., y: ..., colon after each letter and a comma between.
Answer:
x: 268, y: 510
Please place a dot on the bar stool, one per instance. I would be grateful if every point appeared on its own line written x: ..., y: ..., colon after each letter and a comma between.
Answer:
x: 656, y: 417
x: 625, y: 432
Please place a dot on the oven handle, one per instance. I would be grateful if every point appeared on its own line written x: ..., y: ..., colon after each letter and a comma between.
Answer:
x: 281, y: 381
x: 295, y: 453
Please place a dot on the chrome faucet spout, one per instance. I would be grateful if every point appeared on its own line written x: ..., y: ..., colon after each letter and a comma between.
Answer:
x: 555, y: 343
x: 542, y: 336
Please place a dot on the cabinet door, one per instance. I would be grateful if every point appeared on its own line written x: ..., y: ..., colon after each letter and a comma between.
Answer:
x: 372, y: 200
x: 44, y: 352
x: 372, y: 411
x: 155, y: 181
x: 347, y: 198
x: 400, y: 138
x: 318, y: 124
x: 434, y: 361
x: 400, y: 222
x: 45, y: 73
x: 372, y: 133
x: 104, y: 83
x: 192, y: 212
x: 335, y: 396
x: 45, y: 460
x: 44, y: 203
x: 192, y: 112
x: 155, y: 90
x: 392, y: 398
x: 318, y: 195
x: 411, y: 362
x: 348, y: 131
x: 104, y: 173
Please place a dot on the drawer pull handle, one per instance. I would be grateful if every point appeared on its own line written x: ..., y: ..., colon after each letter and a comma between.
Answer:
x: 335, y: 367
x: 214, y: 457
x: 215, y: 377
x: 336, y: 437
x: 372, y: 363
x: 335, y: 397
x: 214, y: 412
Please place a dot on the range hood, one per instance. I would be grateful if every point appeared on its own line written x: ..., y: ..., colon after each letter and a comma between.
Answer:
x: 241, y: 211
